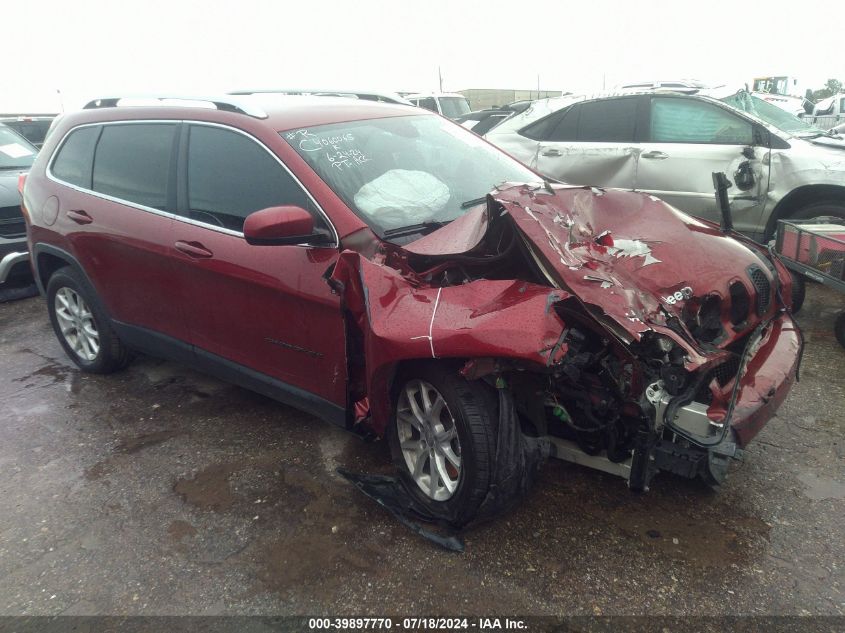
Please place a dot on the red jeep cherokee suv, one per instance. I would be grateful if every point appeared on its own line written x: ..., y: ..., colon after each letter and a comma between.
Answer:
x: 387, y: 270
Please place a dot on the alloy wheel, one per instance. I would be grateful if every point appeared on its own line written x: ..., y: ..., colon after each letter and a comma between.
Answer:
x: 429, y: 440
x: 76, y: 323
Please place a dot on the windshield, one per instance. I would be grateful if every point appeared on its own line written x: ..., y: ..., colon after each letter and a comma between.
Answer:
x: 15, y: 151
x: 771, y: 114
x: 405, y: 171
x: 453, y: 107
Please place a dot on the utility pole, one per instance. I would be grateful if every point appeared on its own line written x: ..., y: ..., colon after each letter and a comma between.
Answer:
x: 440, y: 77
x: 538, y: 85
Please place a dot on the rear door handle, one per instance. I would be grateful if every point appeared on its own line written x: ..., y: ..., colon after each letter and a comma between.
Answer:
x: 655, y: 154
x: 193, y: 249
x: 80, y: 216
x: 552, y: 152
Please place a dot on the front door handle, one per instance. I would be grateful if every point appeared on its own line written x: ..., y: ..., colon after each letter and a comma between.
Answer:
x: 552, y: 152
x: 80, y: 216
x: 655, y: 154
x: 193, y: 249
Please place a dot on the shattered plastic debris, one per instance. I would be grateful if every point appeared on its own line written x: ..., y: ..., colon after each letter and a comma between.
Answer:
x: 517, y: 460
x: 391, y: 494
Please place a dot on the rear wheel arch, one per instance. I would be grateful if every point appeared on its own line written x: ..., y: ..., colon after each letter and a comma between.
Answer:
x: 797, y: 199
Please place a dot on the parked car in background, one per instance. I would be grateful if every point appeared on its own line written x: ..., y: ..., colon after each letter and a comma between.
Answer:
x: 33, y: 128
x: 449, y: 104
x: 674, y: 85
x: 669, y: 144
x: 366, y: 95
x: 482, y: 121
x: 16, y: 157
x: 470, y: 312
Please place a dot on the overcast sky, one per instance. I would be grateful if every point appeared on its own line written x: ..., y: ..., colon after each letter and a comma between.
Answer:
x: 90, y: 48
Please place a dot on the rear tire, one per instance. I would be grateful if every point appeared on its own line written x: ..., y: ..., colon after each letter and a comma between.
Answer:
x: 442, y: 401
x: 82, y: 326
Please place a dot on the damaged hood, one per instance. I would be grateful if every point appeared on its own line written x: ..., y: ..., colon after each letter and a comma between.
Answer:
x: 632, y: 260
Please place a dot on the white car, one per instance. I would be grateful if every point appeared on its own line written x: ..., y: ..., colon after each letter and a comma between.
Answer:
x: 670, y: 144
x: 449, y: 104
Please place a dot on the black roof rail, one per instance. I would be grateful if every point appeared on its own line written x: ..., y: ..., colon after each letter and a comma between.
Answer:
x: 224, y: 104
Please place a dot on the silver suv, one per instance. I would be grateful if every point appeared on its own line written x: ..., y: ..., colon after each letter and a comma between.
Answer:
x: 669, y: 144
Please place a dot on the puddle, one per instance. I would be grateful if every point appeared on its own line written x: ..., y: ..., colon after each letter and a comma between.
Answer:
x: 129, y: 446
x: 180, y: 529
x: 209, y: 489
x: 135, y: 444
x: 819, y: 488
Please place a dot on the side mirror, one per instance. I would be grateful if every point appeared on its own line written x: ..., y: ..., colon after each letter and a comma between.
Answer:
x: 277, y: 226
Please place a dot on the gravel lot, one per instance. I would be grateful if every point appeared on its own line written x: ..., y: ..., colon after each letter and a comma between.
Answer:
x: 161, y: 491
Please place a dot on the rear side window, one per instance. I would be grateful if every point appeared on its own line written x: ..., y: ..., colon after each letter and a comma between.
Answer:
x: 75, y: 159
x: 609, y: 120
x: 231, y: 176
x: 691, y: 121
x: 132, y: 162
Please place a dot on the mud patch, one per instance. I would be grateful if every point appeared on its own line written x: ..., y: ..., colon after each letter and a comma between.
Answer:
x: 180, y: 529
x: 318, y: 559
x: 701, y: 542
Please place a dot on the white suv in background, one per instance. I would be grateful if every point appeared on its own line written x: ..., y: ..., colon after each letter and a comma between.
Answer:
x: 669, y: 144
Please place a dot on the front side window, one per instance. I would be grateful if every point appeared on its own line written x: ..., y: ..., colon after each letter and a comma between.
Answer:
x: 132, y: 163
x: 608, y: 121
x: 230, y: 176
x: 75, y: 159
x: 15, y: 151
x: 404, y: 171
x: 560, y: 126
x: 771, y: 114
x: 428, y: 103
x: 691, y: 121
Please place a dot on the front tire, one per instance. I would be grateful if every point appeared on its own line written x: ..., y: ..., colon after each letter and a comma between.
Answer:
x: 821, y: 209
x: 81, y: 325
x: 443, y: 440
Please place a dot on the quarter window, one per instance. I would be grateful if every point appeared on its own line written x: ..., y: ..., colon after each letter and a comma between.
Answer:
x: 230, y: 177
x: 691, y: 121
x: 132, y: 162
x: 75, y: 159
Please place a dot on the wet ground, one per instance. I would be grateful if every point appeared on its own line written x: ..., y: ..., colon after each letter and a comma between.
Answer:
x: 160, y: 491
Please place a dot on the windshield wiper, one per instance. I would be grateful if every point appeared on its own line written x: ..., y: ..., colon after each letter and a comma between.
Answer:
x: 411, y: 229
x: 473, y: 203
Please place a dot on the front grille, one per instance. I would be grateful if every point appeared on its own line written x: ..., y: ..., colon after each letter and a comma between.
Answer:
x: 763, y: 288
x: 723, y: 374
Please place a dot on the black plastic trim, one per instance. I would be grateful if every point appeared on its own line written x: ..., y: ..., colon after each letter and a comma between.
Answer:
x: 163, y: 346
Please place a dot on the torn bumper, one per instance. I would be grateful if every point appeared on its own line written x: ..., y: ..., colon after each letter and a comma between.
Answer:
x: 767, y: 379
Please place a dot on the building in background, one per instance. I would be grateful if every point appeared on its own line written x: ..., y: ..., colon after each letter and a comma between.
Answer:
x: 483, y: 98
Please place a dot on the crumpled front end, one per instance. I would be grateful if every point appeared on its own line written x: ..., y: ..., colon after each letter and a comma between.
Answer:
x: 633, y: 336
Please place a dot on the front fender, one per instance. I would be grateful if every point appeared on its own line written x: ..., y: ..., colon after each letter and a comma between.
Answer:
x: 398, y: 320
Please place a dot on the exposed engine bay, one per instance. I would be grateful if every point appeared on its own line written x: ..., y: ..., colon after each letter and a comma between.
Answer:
x: 636, y: 338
